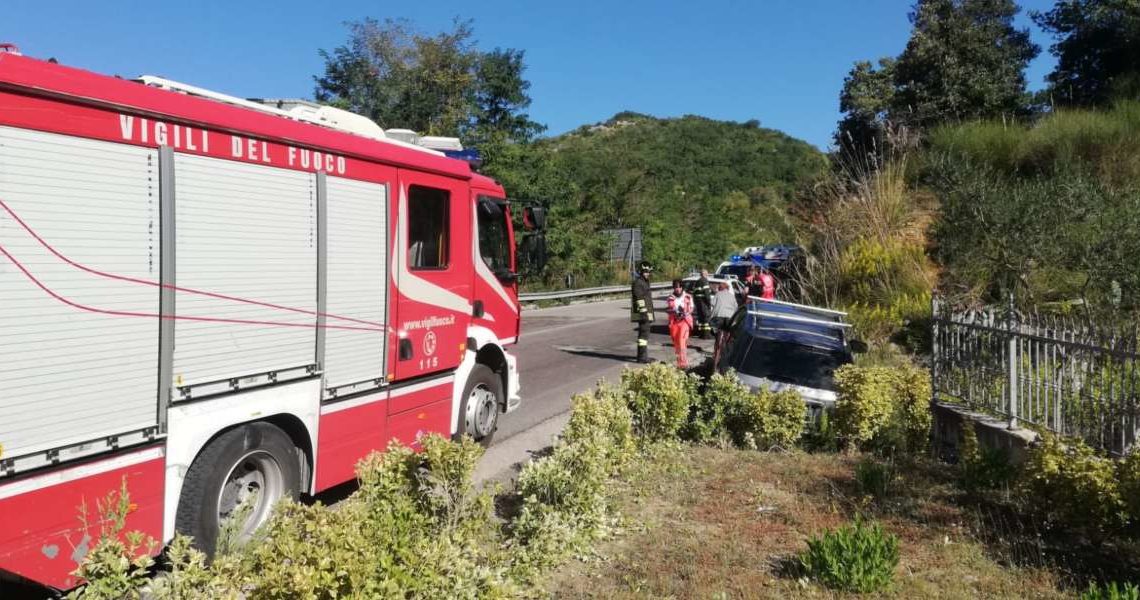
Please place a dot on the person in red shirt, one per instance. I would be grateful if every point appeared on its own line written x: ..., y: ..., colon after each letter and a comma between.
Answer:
x: 768, y: 284
x: 680, y: 310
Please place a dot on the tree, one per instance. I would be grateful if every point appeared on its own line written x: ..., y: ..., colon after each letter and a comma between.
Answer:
x: 1097, y: 49
x: 501, y: 97
x: 866, y: 97
x: 434, y: 84
x: 965, y: 60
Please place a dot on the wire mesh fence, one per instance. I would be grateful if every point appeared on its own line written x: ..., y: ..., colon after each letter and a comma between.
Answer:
x: 1055, y: 373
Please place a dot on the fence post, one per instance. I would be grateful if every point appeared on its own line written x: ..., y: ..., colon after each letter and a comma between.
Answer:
x: 1013, y: 360
x: 934, y: 349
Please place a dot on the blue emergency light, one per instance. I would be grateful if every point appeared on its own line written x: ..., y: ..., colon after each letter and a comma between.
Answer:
x: 470, y: 155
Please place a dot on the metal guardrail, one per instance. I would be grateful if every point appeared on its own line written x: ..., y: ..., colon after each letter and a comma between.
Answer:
x: 579, y: 293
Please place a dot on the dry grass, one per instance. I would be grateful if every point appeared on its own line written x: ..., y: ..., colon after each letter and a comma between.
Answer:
x: 709, y: 523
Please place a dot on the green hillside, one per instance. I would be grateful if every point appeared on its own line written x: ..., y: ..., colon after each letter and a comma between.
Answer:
x: 697, y: 187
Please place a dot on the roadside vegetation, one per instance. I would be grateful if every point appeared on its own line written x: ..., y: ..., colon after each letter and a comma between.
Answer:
x: 672, y: 486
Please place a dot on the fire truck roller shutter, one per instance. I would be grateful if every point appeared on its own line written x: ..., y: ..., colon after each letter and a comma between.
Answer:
x: 246, y: 232
x: 357, y: 275
x: 78, y: 342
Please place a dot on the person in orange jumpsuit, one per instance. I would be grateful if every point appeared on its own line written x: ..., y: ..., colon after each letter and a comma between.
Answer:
x: 680, y: 310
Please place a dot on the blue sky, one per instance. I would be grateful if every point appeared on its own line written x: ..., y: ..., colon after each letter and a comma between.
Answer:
x: 779, y: 61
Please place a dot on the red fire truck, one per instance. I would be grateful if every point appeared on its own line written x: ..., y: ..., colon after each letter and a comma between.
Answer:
x: 215, y: 300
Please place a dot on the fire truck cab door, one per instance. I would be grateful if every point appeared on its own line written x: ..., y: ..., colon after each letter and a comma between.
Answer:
x: 432, y: 273
x: 496, y: 279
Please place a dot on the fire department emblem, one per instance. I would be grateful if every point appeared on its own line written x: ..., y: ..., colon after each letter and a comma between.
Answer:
x: 429, y: 343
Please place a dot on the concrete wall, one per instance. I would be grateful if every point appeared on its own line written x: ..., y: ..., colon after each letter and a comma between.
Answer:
x: 992, y: 432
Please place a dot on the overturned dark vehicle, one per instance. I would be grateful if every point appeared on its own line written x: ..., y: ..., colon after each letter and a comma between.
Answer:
x: 779, y: 346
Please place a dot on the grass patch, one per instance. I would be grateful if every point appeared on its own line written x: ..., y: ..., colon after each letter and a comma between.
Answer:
x: 733, y: 523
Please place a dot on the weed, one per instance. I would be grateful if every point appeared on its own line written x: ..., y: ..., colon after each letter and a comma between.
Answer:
x: 855, y: 558
x: 1111, y: 591
x: 874, y: 478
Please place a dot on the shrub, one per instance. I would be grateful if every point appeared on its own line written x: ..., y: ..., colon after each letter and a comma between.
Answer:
x: 1111, y: 591
x: 767, y: 420
x: 413, y: 529
x: 1070, y: 484
x: 981, y: 468
x: 856, y: 558
x: 659, y: 397
x: 1128, y: 477
x: 908, y: 427
x: 874, y: 478
x: 820, y: 435
x: 865, y: 401
x: 722, y: 397
x: 603, y: 410
x: 564, y: 504
x: 884, y: 408
x: 117, y: 566
x: 782, y: 422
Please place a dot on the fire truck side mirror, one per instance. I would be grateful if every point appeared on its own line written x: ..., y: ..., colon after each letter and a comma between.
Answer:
x: 534, y: 218
x: 532, y: 253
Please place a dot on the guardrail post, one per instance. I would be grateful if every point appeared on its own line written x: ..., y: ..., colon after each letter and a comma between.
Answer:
x: 1013, y: 360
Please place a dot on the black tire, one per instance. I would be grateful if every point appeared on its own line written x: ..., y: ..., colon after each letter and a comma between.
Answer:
x: 484, y: 379
x: 232, y: 453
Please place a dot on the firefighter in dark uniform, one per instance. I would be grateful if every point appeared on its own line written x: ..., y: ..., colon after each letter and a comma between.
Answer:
x: 702, y: 299
x: 641, y: 309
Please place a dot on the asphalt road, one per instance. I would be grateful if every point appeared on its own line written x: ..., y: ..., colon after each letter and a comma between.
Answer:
x: 562, y: 351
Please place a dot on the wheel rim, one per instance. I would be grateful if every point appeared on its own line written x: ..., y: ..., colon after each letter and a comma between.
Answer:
x: 482, y: 412
x: 256, y: 474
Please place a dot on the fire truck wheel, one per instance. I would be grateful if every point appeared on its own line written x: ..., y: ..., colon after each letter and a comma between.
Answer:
x: 237, y: 479
x: 479, y: 411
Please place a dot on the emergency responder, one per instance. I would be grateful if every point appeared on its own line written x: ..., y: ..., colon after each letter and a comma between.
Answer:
x: 680, y: 313
x: 641, y: 309
x: 768, y: 284
x: 702, y: 297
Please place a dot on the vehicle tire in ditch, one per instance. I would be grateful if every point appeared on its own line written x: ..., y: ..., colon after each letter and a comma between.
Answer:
x: 479, y: 405
x: 244, y: 471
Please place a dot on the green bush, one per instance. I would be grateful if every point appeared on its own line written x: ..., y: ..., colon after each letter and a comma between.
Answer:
x: 721, y: 398
x: 767, y: 420
x: 1070, y: 484
x: 1111, y: 591
x: 865, y: 401
x: 856, y: 558
x: 883, y: 408
x: 659, y: 396
x: 564, y: 505
x: 563, y: 502
x: 603, y: 410
x: 874, y: 478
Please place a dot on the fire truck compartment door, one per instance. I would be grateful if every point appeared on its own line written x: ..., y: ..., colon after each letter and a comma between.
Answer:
x: 79, y: 295
x: 247, y: 270
x: 357, y: 261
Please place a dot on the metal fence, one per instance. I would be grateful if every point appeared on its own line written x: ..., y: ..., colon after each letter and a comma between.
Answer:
x: 1051, y: 372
